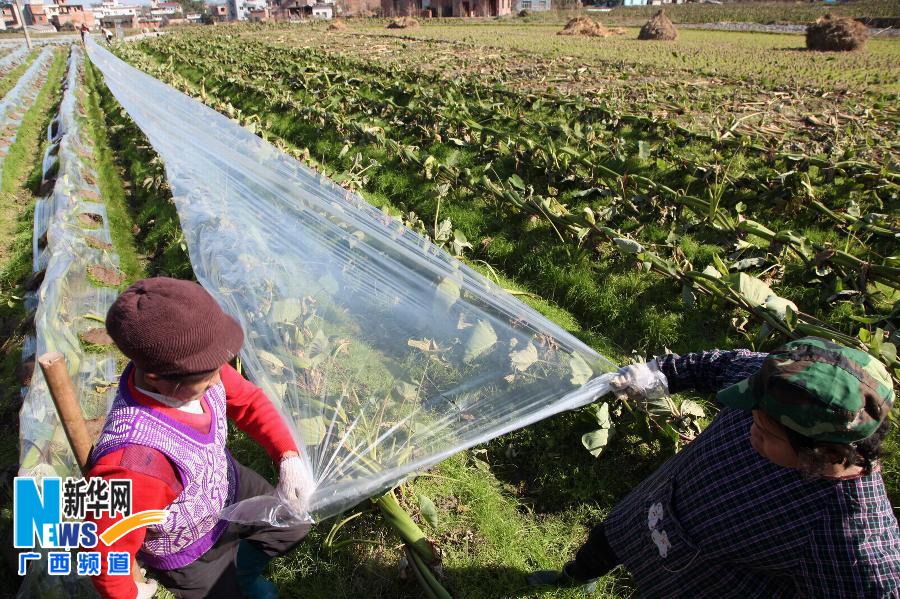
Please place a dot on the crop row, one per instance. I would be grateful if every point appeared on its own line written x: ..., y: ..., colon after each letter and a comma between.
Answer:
x: 335, y: 100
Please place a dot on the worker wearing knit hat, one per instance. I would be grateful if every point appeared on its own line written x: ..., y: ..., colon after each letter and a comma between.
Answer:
x: 167, y: 431
x: 172, y: 327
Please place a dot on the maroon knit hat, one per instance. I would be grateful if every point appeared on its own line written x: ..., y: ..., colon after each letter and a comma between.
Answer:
x: 172, y: 327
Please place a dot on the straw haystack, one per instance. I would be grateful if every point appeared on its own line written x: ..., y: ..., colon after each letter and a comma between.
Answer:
x: 403, y: 23
x: 589, y: 27
x: 836, y: 34
x: 659, y: 27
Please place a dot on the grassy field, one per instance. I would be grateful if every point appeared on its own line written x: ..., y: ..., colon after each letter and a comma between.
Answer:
x: 627, y: 131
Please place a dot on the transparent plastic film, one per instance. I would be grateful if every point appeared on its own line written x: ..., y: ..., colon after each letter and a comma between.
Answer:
x: 73, y: 254
x: 384, y: 353
x: 13, y: 59
x: 16, y: 102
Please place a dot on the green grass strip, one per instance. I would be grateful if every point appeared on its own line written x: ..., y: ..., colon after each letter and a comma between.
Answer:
x: 112, y: 186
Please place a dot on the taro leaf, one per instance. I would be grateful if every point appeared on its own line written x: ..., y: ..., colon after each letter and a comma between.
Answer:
x: 404, y: 390
x: 660, y: 407
x: 287, y: 310
x: 712, y: 271
x: 445, y: 296
x: 524, y: 358
x: 516, y: 181
x: 782, y: 308
x: 720, y: 266
x: 31, y: 458
x: 581, y: 370
x: 428, y: 511
x: 586, y: 192
x: 329, y: 284
x: 643, y: 150
x: 628, y: 246
x: 687, y: 297
x: 460, y: 243
x: 602, y: 414
x: 748, y: 263
x: 690, y: 407
x: 754, y: 291
x: 318, y: 347
x: 271, y: 360
x: 848, y: 295
x: 312, y: 430
x: 444, y: 230
x: 889, y: 352
x: 481, y: 339
x: 596, y: 441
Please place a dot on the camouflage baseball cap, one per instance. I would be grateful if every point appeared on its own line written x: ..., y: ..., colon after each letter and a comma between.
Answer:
x: 822, y: 390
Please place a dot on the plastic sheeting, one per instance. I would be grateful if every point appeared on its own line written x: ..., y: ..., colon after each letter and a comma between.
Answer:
x: 16, y: 102
x: 384, y: 352
x: 17, y: 55
x: 71, y: 239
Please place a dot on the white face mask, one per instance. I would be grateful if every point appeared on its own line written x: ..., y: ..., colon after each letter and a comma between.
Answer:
x: 191, y: 407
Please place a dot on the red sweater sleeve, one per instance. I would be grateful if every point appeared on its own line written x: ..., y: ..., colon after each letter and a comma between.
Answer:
x: 148, y: 492
x: 253, y: 413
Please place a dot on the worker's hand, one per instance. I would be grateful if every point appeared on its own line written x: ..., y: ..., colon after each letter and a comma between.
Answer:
x: 640, y: 381
x: 146, y: 589
x: 295, y: 484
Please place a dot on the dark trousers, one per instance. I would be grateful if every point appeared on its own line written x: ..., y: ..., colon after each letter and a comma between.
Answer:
x: 213, y: 575
x: 595, y: 558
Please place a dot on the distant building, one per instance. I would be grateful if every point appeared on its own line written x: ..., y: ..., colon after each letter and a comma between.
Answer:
x: 533, y: 5
x: 124, y: 21
x: 356, y: 8
x: 323, y: 11
x: 64, y: 15
x: 218, y: 11
x: 240, y: 10
x: 257, y: 14
x: 293, y: 10
x: 449, y: 8
x: 36, y: 14
x: 113, y: 8
x: 170, y: 10
x: 11, y: 16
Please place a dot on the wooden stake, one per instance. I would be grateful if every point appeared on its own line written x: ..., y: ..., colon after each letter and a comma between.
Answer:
x: 56, y: 373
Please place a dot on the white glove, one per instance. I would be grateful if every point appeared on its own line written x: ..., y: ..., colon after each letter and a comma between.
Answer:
x: 640, y: 381
x: 146, y: 590
x: 295, y: 484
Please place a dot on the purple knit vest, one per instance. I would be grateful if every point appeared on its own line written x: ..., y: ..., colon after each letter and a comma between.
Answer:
x: 207, y: 472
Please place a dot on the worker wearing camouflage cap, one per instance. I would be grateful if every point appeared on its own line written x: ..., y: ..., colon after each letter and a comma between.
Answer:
x: 781, y: 495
